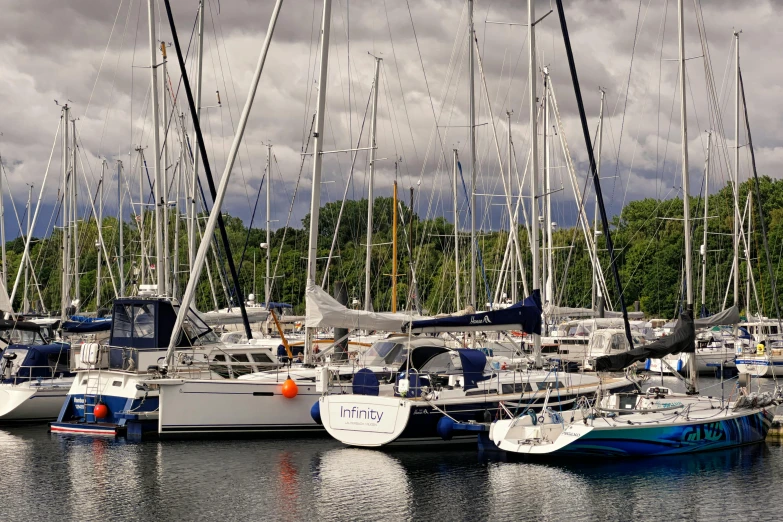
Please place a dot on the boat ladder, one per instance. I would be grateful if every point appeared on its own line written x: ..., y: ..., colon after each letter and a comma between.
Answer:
x: 91, y: 396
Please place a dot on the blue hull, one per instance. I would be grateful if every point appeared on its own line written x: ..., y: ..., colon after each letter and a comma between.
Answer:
x: 671, y: 440
x: 126, y: 416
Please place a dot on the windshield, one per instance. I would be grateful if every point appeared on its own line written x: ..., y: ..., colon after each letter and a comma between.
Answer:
x: 381, y: 353
x: 447, y: 362
x: 22, y: 337
x: 11, y: 361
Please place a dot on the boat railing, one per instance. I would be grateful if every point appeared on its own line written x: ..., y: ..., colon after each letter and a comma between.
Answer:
x: 49, y: 373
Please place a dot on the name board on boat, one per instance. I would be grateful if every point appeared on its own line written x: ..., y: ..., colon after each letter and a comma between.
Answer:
x: 376, y: 418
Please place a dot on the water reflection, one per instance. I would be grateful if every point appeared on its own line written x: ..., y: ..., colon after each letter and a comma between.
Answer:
x: 57, y: 477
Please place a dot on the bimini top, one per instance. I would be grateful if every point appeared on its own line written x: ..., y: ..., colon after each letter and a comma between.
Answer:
x: 22, y: 362
x: 82, y: 324
x: 525, y: 316
x: 680, y: 341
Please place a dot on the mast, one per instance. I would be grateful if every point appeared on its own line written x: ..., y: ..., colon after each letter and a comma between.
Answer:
x: 219, y: 193
x: 531, y: 18
x: 315, y: 196
x: 597, y: 294
x: 158, y: 188
x: 194, y: 177
x: 704, y: 240
x: 394, y: 246
x: 736, y: 167
x: 512, y: 222
x: 686, y: 204
x: 142, y: 241
x: 165, y: 177
x: 26, y: 301
x: 65, y: 287
x: 2, y: 233
x: 180, y: 171
x: 268, y: 223
x: 456, y: 231
x: 548, y: 192
x: 472, y: 124
x: 121, y: 226
x: 370, y: 195
x: 748, y: 268
x: 99, y: 260
x: 75, y: 223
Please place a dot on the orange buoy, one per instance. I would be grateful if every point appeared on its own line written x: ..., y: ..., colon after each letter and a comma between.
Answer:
x: 290, y: 389
x: 100, y: 411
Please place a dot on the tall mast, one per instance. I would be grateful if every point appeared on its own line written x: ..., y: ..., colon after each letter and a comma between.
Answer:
x: 548, y: 192
x: 531, y: 18
x: 121, y: 226
x: 194, y: 178
x: 704, y: 240
x: 512, y: 221
x: 66, y: 237
x: 597, y: 295
x: 26, y: 301
x: 75, y: 223
x: 2, y: 233
x: 177, y: 199
x: 315, y: 196
x: 371, y: 183
x: 472, y: 125
x: 748, y: 268
x: 158, y: 188
x: 267, y: 282
x: 99, y: 260
x: 143, y: 264
x: 394, y: 245
x: 686, y: 204
x: 736, y: 168
x: 456, y: 231
x: 164, y: 190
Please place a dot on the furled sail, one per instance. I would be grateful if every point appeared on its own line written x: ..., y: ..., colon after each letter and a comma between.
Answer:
x: 525, y: 316
x: 323, y: 310
x: 680, y: 341
x: 729, y: 316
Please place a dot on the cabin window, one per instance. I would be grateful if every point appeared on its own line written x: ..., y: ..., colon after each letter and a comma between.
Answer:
x: 144, y: 321
x: 116, y: 383
x: 517, y: 387
x: 618, y: 343
x: 480, y: 392
x: 240, y: 369
x: 544, y: 385
x: 220, y: 368
x: 261, y: 358
x: 773, y: 330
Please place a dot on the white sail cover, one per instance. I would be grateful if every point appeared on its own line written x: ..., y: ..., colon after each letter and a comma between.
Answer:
x: 551, y: 310
x: 729, y: 316
x: 324, y: 311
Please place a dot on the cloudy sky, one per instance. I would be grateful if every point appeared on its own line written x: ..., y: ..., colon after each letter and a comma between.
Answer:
x: 95, y: 56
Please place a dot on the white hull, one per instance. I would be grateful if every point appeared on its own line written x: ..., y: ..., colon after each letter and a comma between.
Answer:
x: 760, y: 365
x: 707, y: 361
x: 31, y: 402
x: 197, y: 406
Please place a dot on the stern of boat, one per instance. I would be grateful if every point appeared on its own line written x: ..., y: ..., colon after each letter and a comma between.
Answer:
x: 364, y: 420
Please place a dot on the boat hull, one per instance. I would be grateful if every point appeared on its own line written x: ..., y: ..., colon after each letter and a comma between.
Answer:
x: 196, y: 407
x: 760, y: 365
x: 618, y: 441
x: 31, y: 402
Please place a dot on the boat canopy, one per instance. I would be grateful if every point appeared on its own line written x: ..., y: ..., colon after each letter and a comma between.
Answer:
x: 473, y: 364
x: 680, y: 341
x: 525, y: 316
x: 324, y: 311
x: 729, y: 316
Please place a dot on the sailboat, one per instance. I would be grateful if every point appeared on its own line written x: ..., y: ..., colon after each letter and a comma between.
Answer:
x: 657, y: 422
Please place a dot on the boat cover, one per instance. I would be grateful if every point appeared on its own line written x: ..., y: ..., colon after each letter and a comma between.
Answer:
x: 680, y: 341
x: 233, y: 316
x: 323, y: 310
x: 729, y: 316
x: 473, y: 363
x: 82, y: 324
x: 525, y: 316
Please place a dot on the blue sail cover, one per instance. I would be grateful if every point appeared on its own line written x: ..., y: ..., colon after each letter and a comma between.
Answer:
x: 81, y: 324
x: 525, y: 316
x: 473, y: 363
